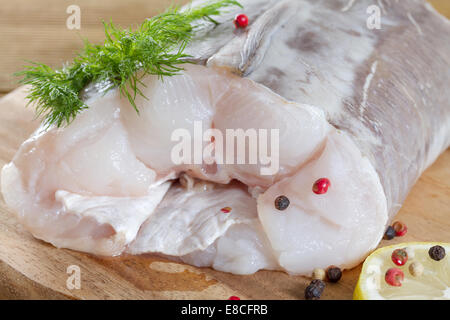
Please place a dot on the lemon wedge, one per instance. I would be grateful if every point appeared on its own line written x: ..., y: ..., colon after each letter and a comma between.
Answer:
x: 433, y: 283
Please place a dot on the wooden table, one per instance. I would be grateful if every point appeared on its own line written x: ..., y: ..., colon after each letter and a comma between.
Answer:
x: 33, y: 269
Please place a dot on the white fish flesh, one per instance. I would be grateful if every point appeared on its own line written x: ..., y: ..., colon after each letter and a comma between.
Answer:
x: 368, y: 109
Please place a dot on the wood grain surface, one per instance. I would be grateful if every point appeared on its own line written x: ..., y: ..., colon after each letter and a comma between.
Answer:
x: 32, y: 269
x: 36, y: 30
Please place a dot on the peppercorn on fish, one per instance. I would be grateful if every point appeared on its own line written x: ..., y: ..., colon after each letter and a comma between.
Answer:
x: 366, y: 108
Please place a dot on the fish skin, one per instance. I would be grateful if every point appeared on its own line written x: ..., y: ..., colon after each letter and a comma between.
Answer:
x: 199, y: 219
x: 387, y: 88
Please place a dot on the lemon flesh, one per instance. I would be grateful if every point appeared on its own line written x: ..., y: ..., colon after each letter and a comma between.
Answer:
x: 433, y: 284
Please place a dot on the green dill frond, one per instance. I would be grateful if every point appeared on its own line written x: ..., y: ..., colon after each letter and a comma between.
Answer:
x: 53, y: 92
x: 156, y: 48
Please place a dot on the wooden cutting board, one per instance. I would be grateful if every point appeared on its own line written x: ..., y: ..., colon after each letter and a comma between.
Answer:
x: 32, y: 269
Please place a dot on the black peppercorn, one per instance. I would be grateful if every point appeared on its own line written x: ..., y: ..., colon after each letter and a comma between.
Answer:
x: 314, y: 290
x: 390, y: 233
x: 334, y: 273
x: 282, y: 202
x: 437, y: 253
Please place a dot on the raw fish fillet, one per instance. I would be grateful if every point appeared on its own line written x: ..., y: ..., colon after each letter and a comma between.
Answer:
x: 368, y: 109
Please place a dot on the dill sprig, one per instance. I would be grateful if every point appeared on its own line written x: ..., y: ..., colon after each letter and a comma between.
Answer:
x: 156, y: 48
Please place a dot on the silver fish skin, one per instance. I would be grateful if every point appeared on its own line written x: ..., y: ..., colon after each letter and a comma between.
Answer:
x: 388, y: 88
